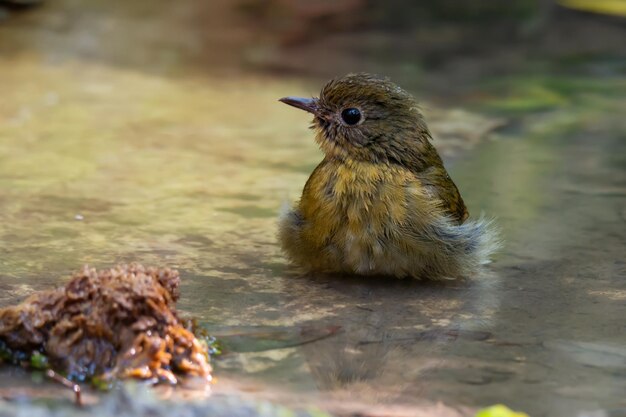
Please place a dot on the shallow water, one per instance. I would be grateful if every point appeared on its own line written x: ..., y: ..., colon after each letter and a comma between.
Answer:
x: 102, y: 162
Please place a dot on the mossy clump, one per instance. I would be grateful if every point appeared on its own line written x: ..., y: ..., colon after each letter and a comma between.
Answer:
x: 116, y: 323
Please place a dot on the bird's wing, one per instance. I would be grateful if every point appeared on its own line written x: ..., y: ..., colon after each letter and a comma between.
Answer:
x: 434, y: 177
x: 443, y: 187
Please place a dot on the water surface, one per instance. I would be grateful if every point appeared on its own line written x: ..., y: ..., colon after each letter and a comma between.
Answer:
x: 104, y: 161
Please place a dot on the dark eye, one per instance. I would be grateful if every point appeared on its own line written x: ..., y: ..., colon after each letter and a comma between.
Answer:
x: 351, y: 116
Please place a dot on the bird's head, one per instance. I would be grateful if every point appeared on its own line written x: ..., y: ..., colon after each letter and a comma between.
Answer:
x: 367, y: 118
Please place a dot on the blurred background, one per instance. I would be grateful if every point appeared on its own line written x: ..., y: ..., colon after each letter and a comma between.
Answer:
x: 418, y: 41
x: 150, y: 131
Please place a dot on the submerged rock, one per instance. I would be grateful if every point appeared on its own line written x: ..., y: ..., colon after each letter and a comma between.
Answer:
x: 116, y: 323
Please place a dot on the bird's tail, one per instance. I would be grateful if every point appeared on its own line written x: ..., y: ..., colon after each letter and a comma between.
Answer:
x: 467, y: 246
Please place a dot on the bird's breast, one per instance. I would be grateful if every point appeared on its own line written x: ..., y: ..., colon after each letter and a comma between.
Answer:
x: 356, y: 203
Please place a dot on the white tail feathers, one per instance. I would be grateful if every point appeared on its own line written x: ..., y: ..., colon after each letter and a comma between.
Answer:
x: 465, y: 247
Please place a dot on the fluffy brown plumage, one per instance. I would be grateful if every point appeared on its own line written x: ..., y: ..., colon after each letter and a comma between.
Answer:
x: 381, y: 201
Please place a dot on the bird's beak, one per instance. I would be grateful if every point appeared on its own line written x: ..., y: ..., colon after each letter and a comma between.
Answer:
x: 306, y: 104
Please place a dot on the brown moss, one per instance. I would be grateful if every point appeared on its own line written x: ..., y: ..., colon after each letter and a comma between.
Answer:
x: 120, y: 322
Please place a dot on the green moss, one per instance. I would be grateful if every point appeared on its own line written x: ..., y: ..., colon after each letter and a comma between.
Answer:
x: 39, y: 361
x: 101, y: 384
x: 14, y: 357
x: 34, y: 360
x: 526, y: 93
x: 499, y: 410
x: 5, y: 353
x: 534, y: 98
x: 212, y: 345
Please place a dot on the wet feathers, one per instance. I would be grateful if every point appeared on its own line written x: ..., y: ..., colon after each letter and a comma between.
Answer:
x: 381, y: 201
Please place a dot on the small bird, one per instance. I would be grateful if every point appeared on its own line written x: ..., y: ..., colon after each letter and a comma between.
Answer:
x: 381, y: 201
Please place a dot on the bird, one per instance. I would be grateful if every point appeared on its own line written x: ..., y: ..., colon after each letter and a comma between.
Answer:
x: 381, y: 202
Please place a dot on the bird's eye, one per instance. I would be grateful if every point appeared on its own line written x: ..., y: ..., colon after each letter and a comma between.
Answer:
x: 351, y: 116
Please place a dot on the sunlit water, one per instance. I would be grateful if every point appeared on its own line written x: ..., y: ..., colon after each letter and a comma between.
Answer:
x: 105, y: 164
